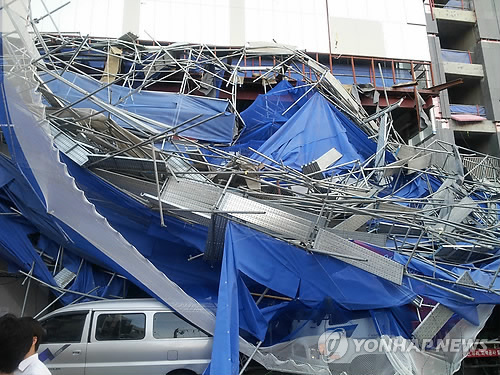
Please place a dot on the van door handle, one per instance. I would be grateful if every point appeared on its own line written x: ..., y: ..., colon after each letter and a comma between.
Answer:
x: 77, y: 352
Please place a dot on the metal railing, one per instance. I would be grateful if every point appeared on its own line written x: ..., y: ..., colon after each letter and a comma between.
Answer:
x: 452, y: 4
x: 451, y: 55
x: 483, y: 167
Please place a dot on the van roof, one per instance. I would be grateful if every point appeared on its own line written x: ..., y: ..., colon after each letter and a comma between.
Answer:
x: 142, y: 304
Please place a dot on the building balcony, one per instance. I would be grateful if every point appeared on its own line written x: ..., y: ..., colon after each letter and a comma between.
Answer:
x: 459, y: 64
x: 471, y: 119
x: 467, y: 117
x: 453, y: 10
x: 468, y: 109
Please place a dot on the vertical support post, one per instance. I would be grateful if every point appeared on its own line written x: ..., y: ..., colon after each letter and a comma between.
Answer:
x: 406, y: 237
x: 157, y: 183
x: 216, y: 205
x: 433, y: 81
x: 111, y: 279
x: 54, y: 271
x: 381, y: 143
x: 353, y: 70
x: 393, y: 73
x: 374, y: 75
x: 329, y: 36
x: 383, y: 85
x: 414, y: 250
x: 23, y: 309
x: 415, y: 94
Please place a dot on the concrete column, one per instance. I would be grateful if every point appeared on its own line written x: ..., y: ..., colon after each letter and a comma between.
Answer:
x: 490, y: 54
x: 131, y: 16
x: 488, y: 18
x: 237, y: 23
x: 439, y: 75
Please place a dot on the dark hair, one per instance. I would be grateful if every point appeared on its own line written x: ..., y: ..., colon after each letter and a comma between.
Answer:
x: 16, y: 338
x: 37, y: 330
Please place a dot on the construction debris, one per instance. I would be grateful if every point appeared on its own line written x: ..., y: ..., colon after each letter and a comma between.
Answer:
x: 302, y: 209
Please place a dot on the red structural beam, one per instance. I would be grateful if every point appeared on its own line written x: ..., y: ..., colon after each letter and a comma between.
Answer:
x: 408, y: 102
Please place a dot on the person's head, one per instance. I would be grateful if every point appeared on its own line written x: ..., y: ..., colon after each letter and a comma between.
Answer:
x: 38, y: 332
x: 16, y: 339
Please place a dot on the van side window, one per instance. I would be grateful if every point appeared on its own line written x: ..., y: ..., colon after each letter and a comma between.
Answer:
x: 120, y: 327
x: 64, y: 328
x: 169, y: 326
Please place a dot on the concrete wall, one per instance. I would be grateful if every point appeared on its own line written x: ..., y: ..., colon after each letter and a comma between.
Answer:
x: 466, y: 41
x: 468, y: 93
x: 482, y: 142
x: 439, y: 75
x: 490, y: 85
x: 488, y: 18
x: 12, y: 294
x: 380, y: 28
x: 131, y: 12
x: 384, y: 28
x: 432, y: 27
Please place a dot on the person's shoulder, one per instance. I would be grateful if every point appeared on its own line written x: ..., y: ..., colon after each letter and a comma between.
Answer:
x: 37, y: 368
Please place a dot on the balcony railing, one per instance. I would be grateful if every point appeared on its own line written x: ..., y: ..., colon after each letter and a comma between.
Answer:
x: 452, y: 4
x: 467, y: 109
x: 449, y: 55
x: 353, y: 70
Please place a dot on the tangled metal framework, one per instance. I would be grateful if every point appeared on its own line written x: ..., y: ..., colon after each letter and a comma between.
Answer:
x: 324, y: 208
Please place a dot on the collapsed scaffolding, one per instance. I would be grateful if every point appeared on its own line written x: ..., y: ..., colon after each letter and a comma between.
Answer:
x: 303, y: 173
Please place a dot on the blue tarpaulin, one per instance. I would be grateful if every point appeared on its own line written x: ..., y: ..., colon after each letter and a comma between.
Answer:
x: 266, y: 114
x: 456, y: 56
x: 292, y: 272
x: 312, y: 279
x: 312, y: 131
x: 22, y: 234
x: 168, y: 248
x: 168, y: 108
x: 478, y: 110
x: 457, y: 4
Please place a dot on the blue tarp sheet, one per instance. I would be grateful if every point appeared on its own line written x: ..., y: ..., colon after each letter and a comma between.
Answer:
x: 168, y: 248
x: 312, y: 279
x: 167, y: 108
x: 478, y: 110
x: 456, y: 56
x: 21, y: 234
x: 457, y: 4
x: 265, y: 115
x: 363, y: 71
x: 312, y: 131
x: 291, y: 272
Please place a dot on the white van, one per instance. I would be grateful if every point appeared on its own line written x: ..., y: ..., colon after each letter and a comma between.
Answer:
x: 123, y: 337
